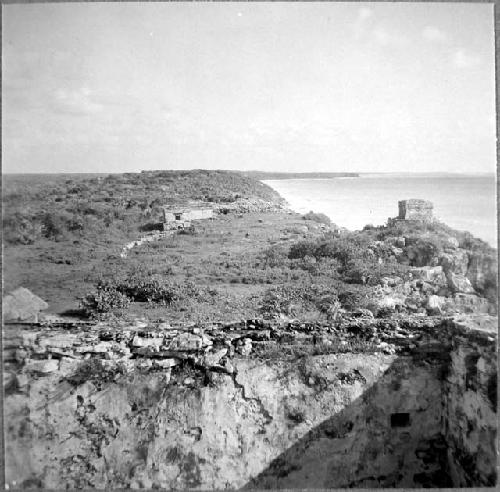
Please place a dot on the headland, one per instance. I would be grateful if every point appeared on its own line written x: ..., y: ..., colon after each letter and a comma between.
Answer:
x: 184, y: 329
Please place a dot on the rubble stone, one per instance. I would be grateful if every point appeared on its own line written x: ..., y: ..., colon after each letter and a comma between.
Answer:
x: 459, y: 283
x: 22, y: 305
x: 213, y: 358
x: 186, y: 342
x: 42, y: 366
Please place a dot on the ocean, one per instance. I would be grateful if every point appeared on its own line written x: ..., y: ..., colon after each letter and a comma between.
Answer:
x: 464, y: 202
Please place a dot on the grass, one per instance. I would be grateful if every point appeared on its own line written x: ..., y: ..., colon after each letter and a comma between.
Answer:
x: 252, y: 263
x: 219, y: 255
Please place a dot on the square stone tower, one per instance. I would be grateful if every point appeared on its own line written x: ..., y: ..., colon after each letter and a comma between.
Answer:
x: 415, y: 209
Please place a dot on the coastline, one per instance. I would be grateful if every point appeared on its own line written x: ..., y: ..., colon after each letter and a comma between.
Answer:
x: 463, y: 202
x: 246, y: 308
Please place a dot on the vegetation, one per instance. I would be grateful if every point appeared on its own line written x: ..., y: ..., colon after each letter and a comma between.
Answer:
x: 103, y: 300
x: 302, y: 352
x: 300, y: 301
x: 64, y: 209
x: 317, y: 217
x: 63, y: 239
x: 94, y: 370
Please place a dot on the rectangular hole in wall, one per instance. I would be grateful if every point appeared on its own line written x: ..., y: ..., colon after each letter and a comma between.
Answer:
x: 400, y: 419
x: 471, y: 376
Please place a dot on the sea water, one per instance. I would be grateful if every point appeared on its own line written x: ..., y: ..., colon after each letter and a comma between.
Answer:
x: 464, y: 202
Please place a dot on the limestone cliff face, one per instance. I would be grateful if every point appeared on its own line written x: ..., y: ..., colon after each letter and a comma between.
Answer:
x: 482, y: 268
x: 326, y: 422
x: 408, y: 419
x: 470, y: 419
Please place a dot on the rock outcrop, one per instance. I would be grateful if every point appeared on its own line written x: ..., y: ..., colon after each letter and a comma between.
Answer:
x: 367, y: 403
x: 22, y: 305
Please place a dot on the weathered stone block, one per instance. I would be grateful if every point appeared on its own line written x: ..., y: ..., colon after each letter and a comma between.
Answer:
x: 42, y: 366
x: 147, y: 342
x: 214, y: 358
x: 186, y: 341
x: 59, y: 341
x: 415, y: 209
x: 435, y: 304
x: 459, y: 283
x: 22, y: 305
x: 166, y: 363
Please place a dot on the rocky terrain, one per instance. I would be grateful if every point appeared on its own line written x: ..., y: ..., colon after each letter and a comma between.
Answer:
x: 258, y: 349
x: 406, y: 402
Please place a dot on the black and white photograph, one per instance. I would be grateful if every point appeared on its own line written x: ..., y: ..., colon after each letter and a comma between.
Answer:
x: 249, y: 245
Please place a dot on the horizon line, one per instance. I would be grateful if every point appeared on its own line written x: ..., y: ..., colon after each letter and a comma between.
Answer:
x: 263, y: 172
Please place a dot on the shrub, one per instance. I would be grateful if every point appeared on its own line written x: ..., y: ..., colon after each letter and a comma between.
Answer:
x: 147, y: 289
x: 300, y: 300
x: 93, y: 370
x: 103, y: 300
x: 188, y: 231
x: 425, y: 251
x: 317, y: 217
x: 302, y: 249
x: 18, y: 228
x: 342, y: 249
x: 151, y: 226
x: 353, y: 298
x: 275, y: 256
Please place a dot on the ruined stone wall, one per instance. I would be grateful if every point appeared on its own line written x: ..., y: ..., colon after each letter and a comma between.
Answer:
x: 470, y: 403
x: 310, y: 426
x: 415, y: 209
x: 187, y: 214
x: 199, y: 214
x: 387, y: 437
x: 180, y: 408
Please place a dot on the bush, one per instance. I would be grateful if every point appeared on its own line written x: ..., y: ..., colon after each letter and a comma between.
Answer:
x: 93, y: 370
x: 275, y: 256
x: 188, y: 231
x: 151, y: 227
x: 148, y: 289
x: 342, y: 249
x: 103, y: 300
x: 302, y: 249
x: 353, y: 298
x: 317, y: 217
x: 425, y: 251
x: 293, y: 300
x: 18, y: 228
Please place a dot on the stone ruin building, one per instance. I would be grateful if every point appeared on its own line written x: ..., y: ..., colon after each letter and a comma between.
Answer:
x: 175, y: 218
x: 413, y: 209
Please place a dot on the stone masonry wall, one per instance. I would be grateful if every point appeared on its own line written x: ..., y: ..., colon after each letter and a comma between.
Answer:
x: 375, y: 403
x: 415, y: 209
x: 470, y: 403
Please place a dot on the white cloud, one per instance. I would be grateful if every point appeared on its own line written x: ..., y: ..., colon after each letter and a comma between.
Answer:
x: 386, y: 38
x: 465, y: 59
x: 435, y: 35
x: 359, y: 25
x: 77, y: 101
x: 365, y: 13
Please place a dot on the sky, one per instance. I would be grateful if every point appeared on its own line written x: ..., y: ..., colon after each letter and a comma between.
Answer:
x: 368, y: 87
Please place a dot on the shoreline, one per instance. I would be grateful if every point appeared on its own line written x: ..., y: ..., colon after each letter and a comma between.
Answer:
x: 465, y: 204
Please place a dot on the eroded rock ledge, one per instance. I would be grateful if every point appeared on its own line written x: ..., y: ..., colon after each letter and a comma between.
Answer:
x: 407, y: 401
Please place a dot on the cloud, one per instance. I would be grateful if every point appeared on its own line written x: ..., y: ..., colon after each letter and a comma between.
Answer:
x: 435, y: 35
x: 385, y: 38
x: 464, y: 59
x: 365, y: 13
x: 77, y: 102
x: 365, y: 28
x: 359, y: 25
